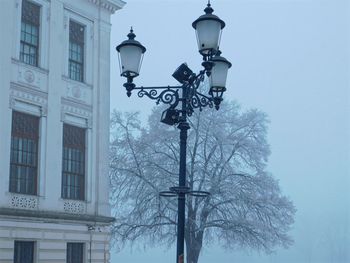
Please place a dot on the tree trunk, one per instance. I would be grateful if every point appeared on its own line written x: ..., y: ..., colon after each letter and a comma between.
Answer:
x: 192, y: 253
x: 193, y: 246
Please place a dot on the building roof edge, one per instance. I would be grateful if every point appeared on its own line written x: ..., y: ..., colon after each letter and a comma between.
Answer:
x: 110, y: 5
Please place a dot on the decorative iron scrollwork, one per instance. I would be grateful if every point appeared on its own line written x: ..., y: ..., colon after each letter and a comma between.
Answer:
x: 167, y: 96
x: 196, y: 99
x: 191, y: 93
x: 199, y: 101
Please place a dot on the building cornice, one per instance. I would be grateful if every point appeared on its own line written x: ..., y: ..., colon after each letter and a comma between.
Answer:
x: 55, y: 216
x: 110, y: 5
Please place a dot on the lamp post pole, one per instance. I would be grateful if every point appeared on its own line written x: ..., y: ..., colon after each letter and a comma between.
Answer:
x: 183, y: 126
x: 208, y: 28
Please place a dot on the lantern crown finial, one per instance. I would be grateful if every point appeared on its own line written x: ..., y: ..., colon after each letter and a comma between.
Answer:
x: 131, y: 35
x: 208, y: 9
x: 131, y: 42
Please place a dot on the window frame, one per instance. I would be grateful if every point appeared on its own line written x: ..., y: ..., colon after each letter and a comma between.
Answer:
x: 73, y: 175
x: 29, y: 20
x: 79, y: 42
x: 23, y: 155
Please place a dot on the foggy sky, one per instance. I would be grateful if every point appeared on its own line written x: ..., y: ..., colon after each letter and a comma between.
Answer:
x: 291, y: 60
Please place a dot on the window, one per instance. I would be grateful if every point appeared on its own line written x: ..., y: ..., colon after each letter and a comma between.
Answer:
x: 75, y: 252
x: 24, y: 153
x: 24, y: 252
x: 29, y: 51
x: 76, y: 51
x: 73, y: 162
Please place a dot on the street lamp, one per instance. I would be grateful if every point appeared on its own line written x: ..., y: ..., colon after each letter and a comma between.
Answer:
x: 182, y: 99
x: 130, y: 58
x: 208, y: 30
x: 218, y: 78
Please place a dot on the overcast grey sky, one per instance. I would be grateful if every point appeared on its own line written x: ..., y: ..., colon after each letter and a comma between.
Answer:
x: 290, y: 59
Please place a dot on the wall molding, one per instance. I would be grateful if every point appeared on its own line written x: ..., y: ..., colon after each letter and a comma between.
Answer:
x: 110, y: 5
x: 82, y: 113
x: 27, y: 99
x: 54, y: 216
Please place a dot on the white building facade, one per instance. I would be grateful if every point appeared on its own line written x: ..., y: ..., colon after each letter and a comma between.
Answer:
x: 54, y: 130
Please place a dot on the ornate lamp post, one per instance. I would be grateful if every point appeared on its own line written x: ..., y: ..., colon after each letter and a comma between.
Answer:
x: 182, y: 99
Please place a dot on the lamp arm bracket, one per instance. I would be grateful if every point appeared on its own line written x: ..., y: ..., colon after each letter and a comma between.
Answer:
x: 170, y: 94
x: 167, y: 95
x: 199, y: 101
x: 196, y: 99
x: 156, y: 88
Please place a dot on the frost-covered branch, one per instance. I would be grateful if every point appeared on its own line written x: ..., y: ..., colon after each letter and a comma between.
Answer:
x: 227, y: 156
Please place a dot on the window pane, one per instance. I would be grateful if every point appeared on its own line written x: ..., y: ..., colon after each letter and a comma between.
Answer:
x: 30, y: 12
x: 76, y: 51
x: 75, y: 252
x: 30, y: 33
x: 24, y: 252
x: 23, y: 156
x: 76, y: 32
x: 73, y: 162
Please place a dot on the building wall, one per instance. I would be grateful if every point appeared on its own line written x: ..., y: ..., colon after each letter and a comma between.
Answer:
x: 47, y: 91
x: 51, y: 240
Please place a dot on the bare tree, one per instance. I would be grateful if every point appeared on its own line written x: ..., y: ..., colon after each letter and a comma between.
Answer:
x: 227, y: 156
